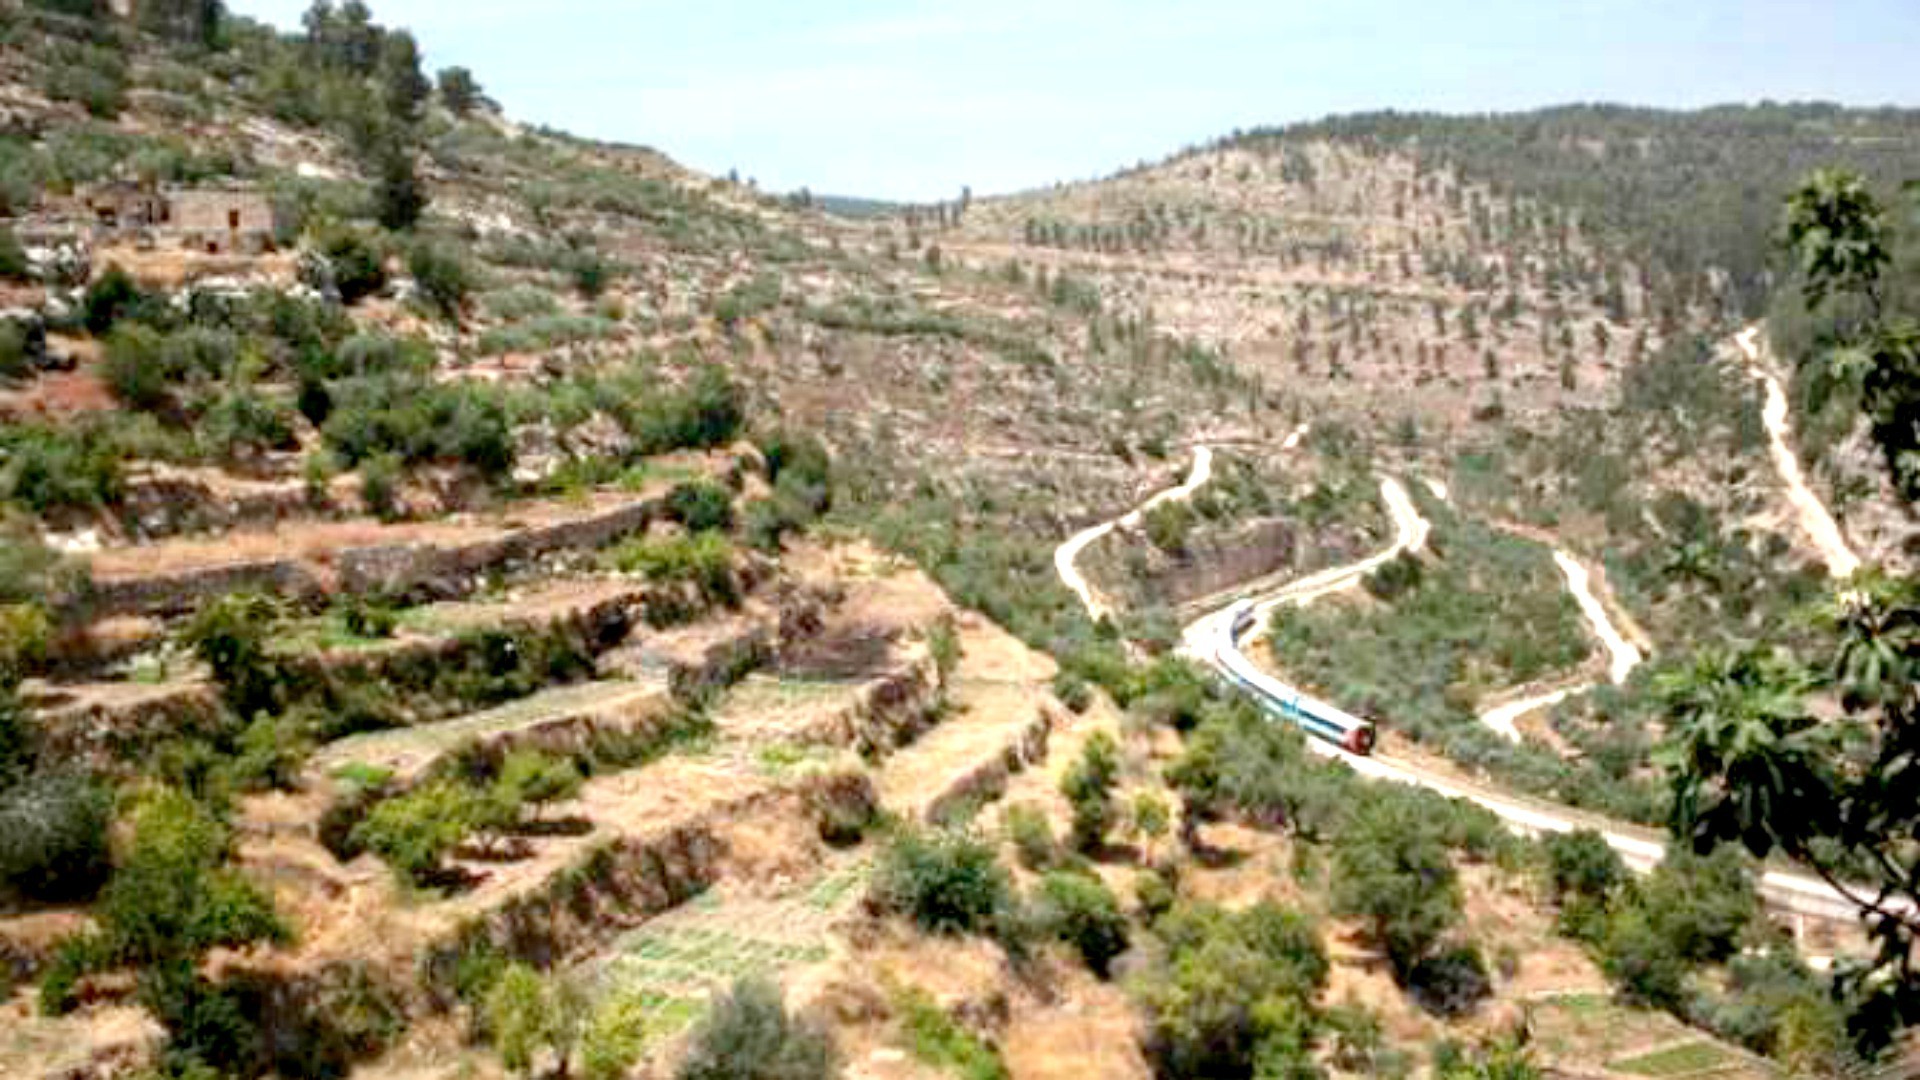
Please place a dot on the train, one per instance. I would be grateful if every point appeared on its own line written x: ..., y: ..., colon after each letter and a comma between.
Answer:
x: 1309, y: 714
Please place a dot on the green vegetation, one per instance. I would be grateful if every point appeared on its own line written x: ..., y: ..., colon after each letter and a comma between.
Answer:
x: 945, y: 881
x: 1088, y: 786
x: 940, y: 1041
x: 1691, y: 192
x: 1080, y: 910
x: 169, y: 902
x: 1234, y: 995
x: 750, y: 1035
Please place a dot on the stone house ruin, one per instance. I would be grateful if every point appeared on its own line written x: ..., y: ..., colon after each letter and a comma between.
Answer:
x: 218, y: 221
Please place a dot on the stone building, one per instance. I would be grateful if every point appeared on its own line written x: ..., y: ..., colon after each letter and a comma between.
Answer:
x: 218, y: 221
x: 221, y: 221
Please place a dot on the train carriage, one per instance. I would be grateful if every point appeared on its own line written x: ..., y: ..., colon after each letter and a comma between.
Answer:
x: 1311, y: 715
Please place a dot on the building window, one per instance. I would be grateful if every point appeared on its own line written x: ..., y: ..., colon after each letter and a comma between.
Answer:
x: 233, y: 220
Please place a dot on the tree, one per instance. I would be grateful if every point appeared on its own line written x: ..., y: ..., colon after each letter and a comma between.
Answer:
x: 1841, y: 242
x: 415, y: 831
x: 459, y: 91
x: 1392, y: 870
x: 402, y: 84
x: 195, y: 21
x: 230, y: 635
x: 1080, y: 910
x: 528, y: 1014
x: 1088, y: 786
x: 399, y: 197
x: 1234, y: 992
x: 749, y: 1035
x: 112, y: 296
x: 947, y: 882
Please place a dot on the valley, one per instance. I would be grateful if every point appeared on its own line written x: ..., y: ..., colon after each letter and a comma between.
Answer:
x: 1371, y: 597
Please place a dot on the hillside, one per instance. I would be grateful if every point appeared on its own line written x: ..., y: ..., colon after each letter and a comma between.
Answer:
x: 480, y: 602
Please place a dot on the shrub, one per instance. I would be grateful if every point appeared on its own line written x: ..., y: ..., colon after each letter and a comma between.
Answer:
x: 943, y: 1043
x: 527, y: 1014
x: 704, y: 559
x: 242, y: 424
x: 749, y: 1035
x: 946, y: 881
x: 701, y: 505
x: 1169, y: 525
x: 110, y: 297
x: 133, y: 369
x: 707, y: 412
x: 1088, y: 786
x: 1073, y: 691
x: 16, y: 360
x: 1235, y: 989
x: 380, y: 486
x: 45, y: 468
x: 358, y: 268
x: 1452, y: 982
x: 13, y: 258
x: 1032, y: 837
x: 1081, y: 911
x: 414, y: 832
x: 445, y: 279
x: 230, y: 634
x: 53, y: 836
x: 170, y: 898
x: 529, y: 778
x: 30, y: 573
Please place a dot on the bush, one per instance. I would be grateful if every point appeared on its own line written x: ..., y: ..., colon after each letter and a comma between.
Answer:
x: 1032, y: 837
x: 230, y: 635
x: 1169, y: 525
x: 944, y: 1044
x: 1073, y: 691
x: 414, y: 832
x: 53, y: 837
x: 16, y: 360
x: 242, y: 424
x: 704, y: 559
x: 749, y: 1035
x: 171, y: 899
x: 527, y: 1014
x: 358, y: 267
x: 1235, y: 989
x: 1088, y: 785
x: 13, y: 258
x: 445, y: 279
x: 707, y: 412
x: 45, y: 468
x: 948, y: 882
x: 380, y: 486
x: 701, y: 505
x: 1452, y: 982
x: 1081, y: 911
x: 1392, y: 870
x: 110, y: 297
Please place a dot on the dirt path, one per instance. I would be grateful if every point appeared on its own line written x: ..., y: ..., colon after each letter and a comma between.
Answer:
x: 1067, y: 554
x: 1822, y: 531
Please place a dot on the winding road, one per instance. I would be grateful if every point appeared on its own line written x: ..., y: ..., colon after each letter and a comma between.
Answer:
x: 1205, y: 637
x: 1822, y: 531
x: 1067, y: 555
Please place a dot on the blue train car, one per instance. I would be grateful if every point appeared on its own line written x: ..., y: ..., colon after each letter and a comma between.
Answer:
x: 1315, y: 717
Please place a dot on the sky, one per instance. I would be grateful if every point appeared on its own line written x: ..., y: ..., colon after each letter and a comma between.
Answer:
x: 911, y: 100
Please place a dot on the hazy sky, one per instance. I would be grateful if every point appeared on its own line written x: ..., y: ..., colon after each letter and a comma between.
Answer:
x: 907, y: 99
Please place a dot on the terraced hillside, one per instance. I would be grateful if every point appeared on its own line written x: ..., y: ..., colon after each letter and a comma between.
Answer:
x: 480, y: 602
